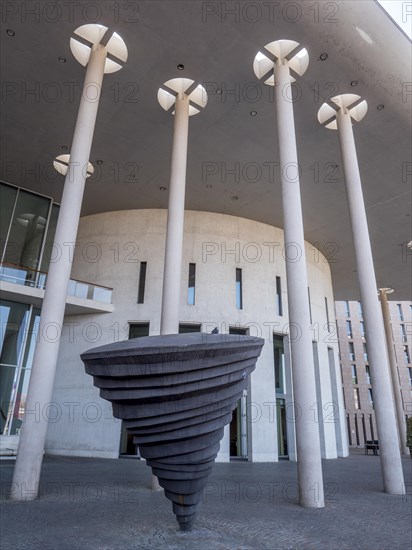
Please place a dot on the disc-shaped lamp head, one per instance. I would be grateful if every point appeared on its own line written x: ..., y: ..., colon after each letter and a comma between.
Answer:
x: 87, y: 36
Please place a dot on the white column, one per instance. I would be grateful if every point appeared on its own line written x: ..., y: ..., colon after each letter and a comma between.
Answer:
x: 400, y: 416
x: 169, y: 323
x: 169, y: 320
x: 310, y: 479
x: 34, y: 428
x: 375, y: 335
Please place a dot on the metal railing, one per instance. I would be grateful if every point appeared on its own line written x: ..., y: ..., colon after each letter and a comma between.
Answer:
x: 27, y: 276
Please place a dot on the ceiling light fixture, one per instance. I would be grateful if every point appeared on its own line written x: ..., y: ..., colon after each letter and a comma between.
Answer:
x: 253, y: 113
x: 62, y: 59
x: 10, y: 32
x: 323, y: 56
x: 209, y: 186
x: 219, y: 91
x: 354, y: 83
x: 162, y: 188
x: 380, y: 106
x: 235, y: 198
x: 99, y: 162
x: 64, y: 147
x: 61, y: 164
x: 180, y: 67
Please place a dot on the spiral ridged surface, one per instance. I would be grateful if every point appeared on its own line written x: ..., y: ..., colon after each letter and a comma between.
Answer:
x: 175, y: 394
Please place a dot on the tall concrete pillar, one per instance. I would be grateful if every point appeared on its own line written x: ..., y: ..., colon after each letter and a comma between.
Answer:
x: 400, y: 415
x: 274, y: 66
x: 184, y: 98
x: 338, y: 114
x: 90, y: 45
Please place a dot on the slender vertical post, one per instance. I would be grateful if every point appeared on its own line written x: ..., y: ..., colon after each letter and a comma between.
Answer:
x: 338, y: 115
x: 175, y: 220
x: 33, y: 434
x: 177, y: 93
x: 400, y: 416
x: 281, y: 56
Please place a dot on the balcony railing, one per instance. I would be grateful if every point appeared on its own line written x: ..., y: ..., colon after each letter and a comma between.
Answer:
x: 37, y: 279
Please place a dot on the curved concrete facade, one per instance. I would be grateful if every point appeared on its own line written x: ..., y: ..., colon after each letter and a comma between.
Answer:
x: 110, y: 247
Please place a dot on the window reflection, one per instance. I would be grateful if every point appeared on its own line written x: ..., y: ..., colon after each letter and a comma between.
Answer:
x: 7, y: 199
x: 19, y: 326
x: 27, y: 231
x: 279, y: 361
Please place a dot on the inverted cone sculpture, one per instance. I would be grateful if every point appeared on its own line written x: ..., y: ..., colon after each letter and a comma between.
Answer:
x: 175, y: 394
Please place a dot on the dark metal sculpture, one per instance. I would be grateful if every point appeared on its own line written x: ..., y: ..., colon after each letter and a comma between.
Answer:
x: 175, y: 394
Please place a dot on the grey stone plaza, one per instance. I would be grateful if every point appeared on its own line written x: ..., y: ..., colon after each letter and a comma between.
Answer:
x: 89, y: 503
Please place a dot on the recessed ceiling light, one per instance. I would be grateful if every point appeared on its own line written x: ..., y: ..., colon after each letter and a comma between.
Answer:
x: 10, y: 32
x: 209, y: 186
x: 253, y: 113
x: 99, y: 161
x: 354, y: 83
x: 62, y: 59
x: 162, y: 188
x: 219, y: 91
x: 323, y: 56
x: 235, y: 198
x: 380, y: 106
x: 180, y: 67
x: 64, y: 147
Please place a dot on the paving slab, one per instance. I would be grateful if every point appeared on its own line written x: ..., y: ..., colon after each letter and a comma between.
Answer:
x: 100, y: 504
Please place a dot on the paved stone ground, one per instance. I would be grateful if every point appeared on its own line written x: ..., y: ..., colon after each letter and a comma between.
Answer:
x: 96, y: 504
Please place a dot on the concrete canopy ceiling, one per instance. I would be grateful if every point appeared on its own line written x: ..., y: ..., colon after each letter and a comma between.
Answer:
x: 231, y: 152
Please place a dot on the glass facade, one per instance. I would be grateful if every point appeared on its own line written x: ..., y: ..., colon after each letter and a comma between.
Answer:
x: 28, y: 224
x: 27, y: 229
x: 23, y: 239
x: 48, y: 252
x: 7, y: 201
x: 19, y: 324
